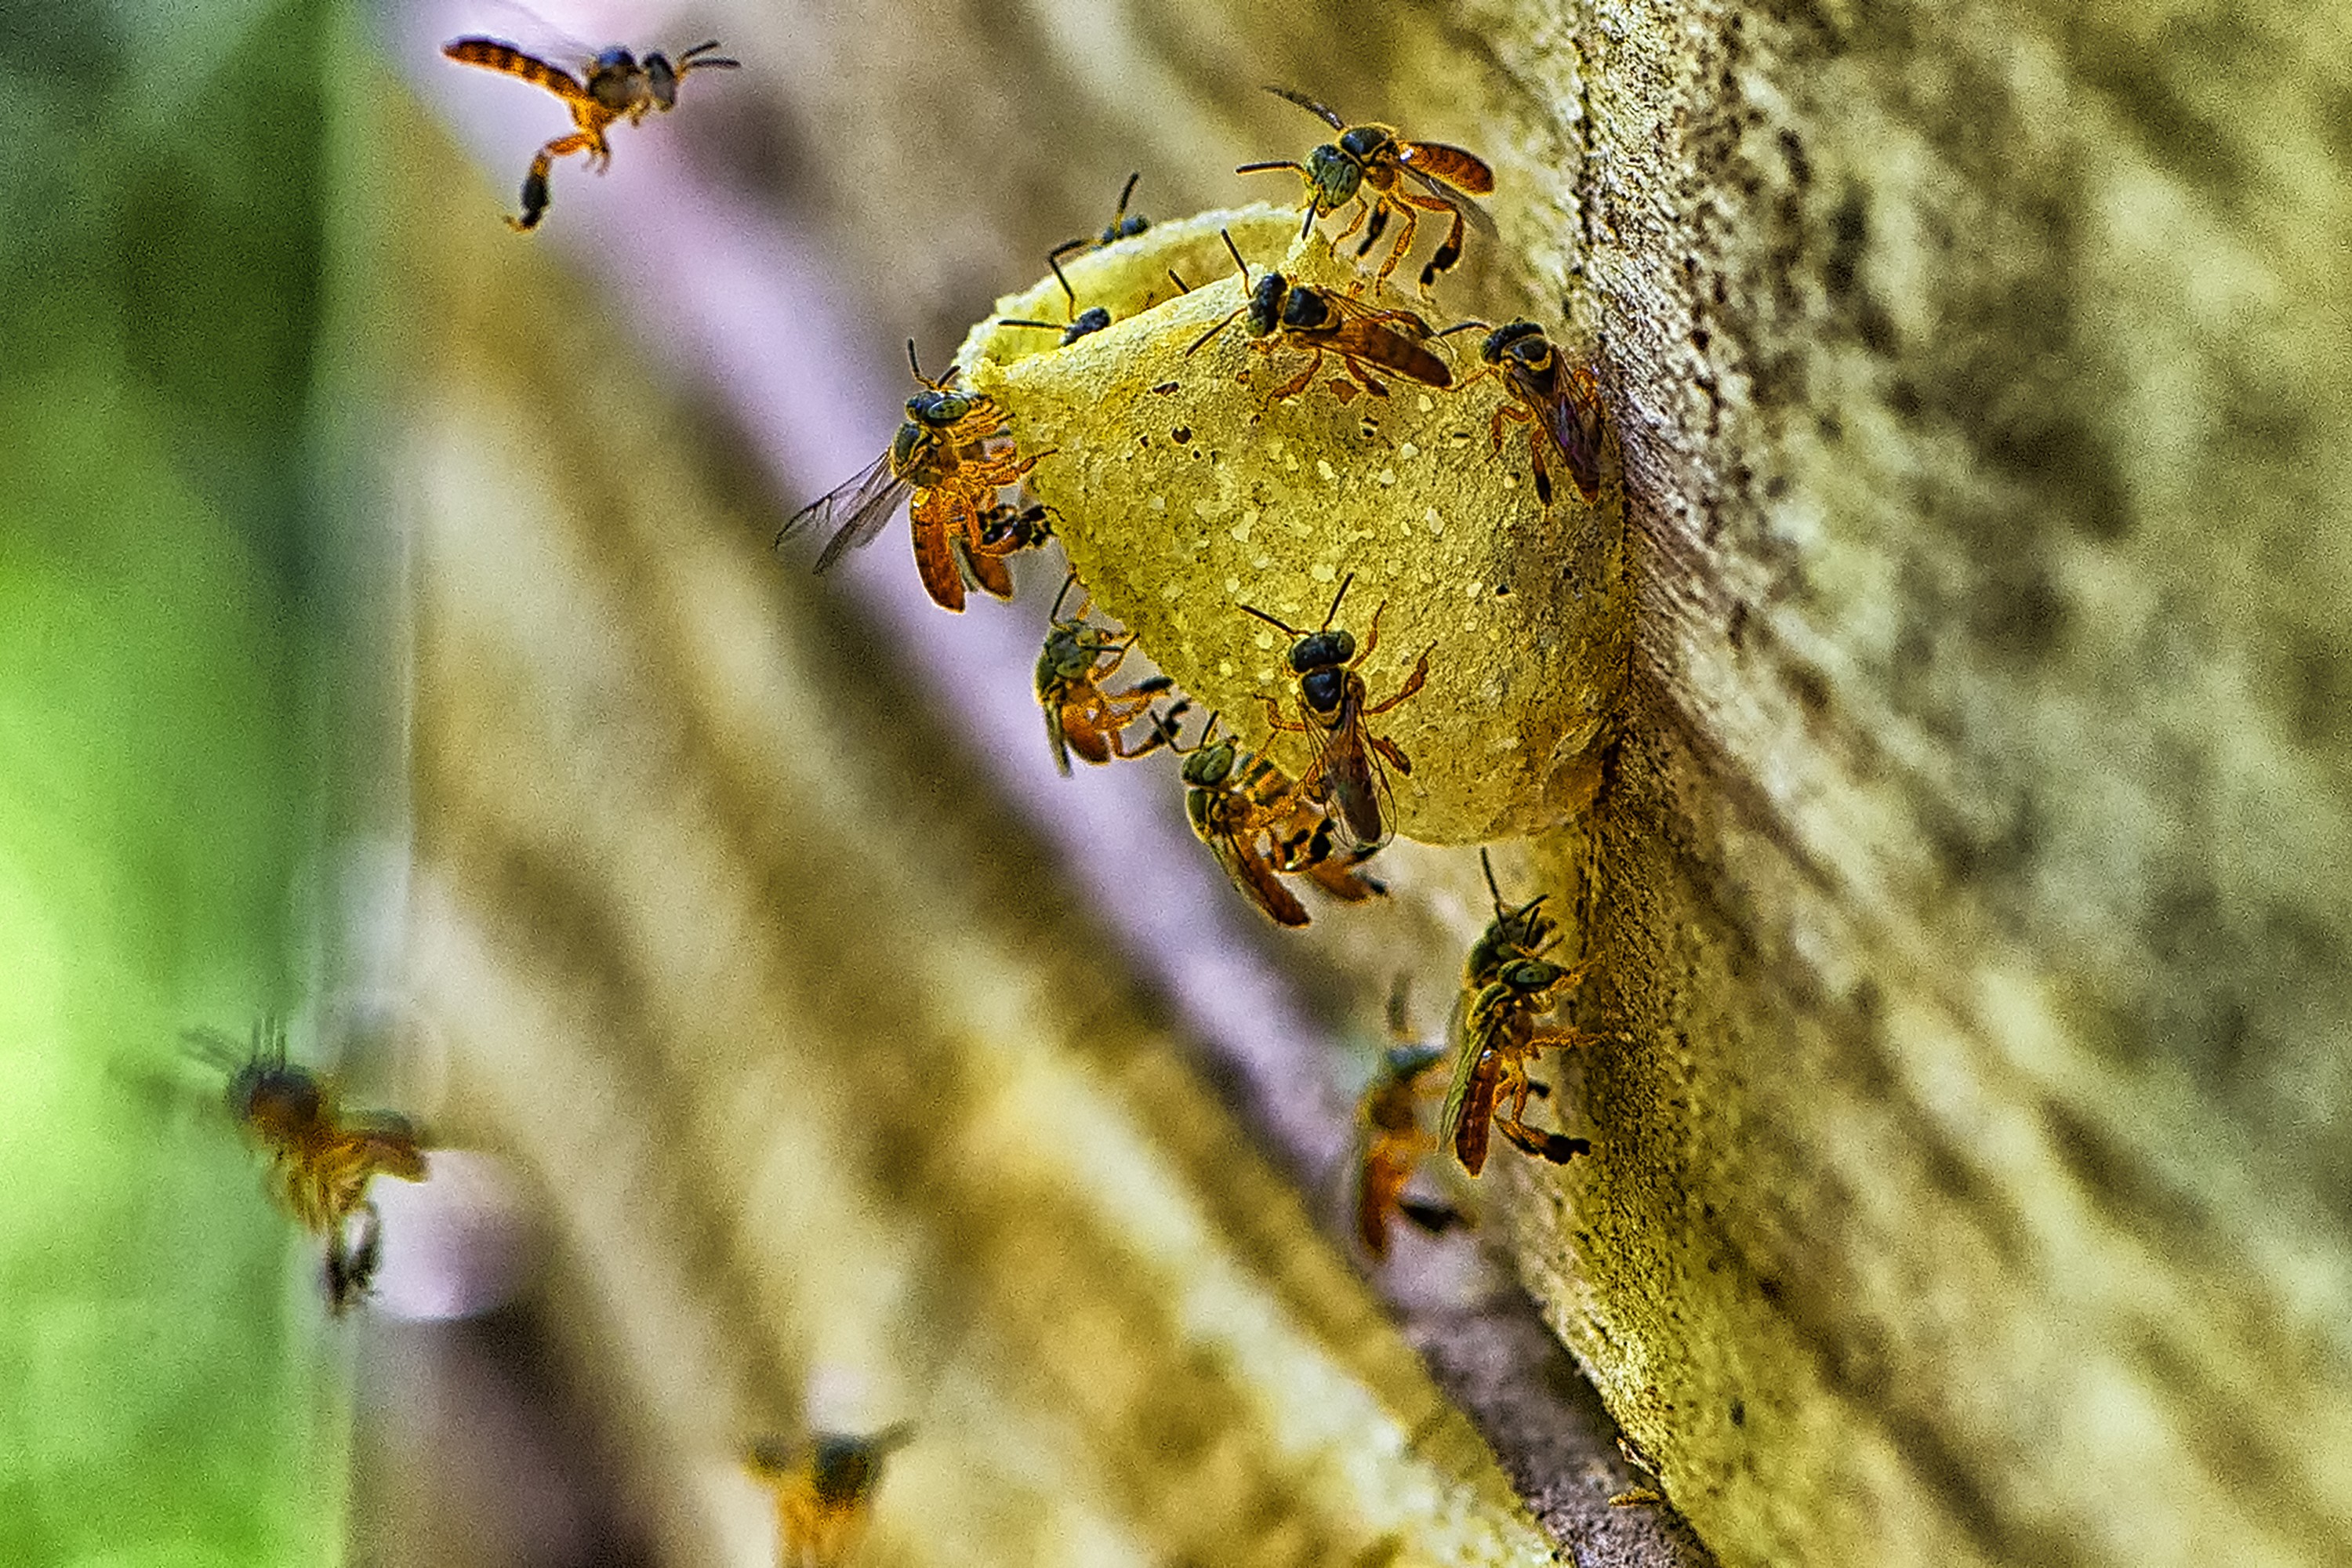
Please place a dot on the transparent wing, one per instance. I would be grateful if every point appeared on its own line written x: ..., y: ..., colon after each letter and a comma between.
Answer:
x: 855, y: 511
x: 1451, y: 197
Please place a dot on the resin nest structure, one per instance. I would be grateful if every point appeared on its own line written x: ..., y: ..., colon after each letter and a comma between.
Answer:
x: 1182, y: 494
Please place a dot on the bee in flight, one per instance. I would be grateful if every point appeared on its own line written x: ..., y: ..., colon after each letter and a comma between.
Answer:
x: 1081, y: 716
x: 1300, y: 315
x: 1349, y: 772
x: 1390, y: 1143
x: 1505, y: 988
x: 1123, y: 225
x: 1259, y: 823
x: 1375, y: 157
x: 948, y: 460
x: 823, y: 1491
x: 1561, y: 401
x: 613, y: 85
x: 322, y: 1157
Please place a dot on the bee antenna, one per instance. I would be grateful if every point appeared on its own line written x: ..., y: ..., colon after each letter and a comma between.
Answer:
x: 913, y: 364
x: 1487, y: 866
x: 1285, y: 629
x: 1067, y: 583
x: 1181, y: 287
x: 1212, y: 332
x: 1053, y: 260
x: 1125, y: 191
x: 1327, y: 116
x: 1466, y: 326
x: 1335, y: 602
x: 1227, y: 236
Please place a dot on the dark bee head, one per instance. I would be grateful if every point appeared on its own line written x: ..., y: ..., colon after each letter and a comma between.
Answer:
x: 939, y: 409
x: 1265, y: 303
x: 1523, y: 340
x: 661, y: 81
x: 1068, y: 655
x: 1211, y: 764
x: 1529, y: 976
x: 1126, y: 228
x: 846, y: 1467
x: 1092, y: 318
x: 273, y: 1098
x: 1321, y: 650
x: 1335, y: 176
x: 615, y: 81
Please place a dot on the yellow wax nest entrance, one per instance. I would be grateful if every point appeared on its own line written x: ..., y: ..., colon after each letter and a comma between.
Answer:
x: 1184, y: 494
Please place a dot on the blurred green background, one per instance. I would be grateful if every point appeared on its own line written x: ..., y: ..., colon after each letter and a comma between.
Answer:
x: 167, y: 531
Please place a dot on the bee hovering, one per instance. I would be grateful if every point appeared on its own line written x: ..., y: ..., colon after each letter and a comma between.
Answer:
x: 1390, y: 1143
x: 1081, y: 716
x: 823, y: 1491
x: 1561, y: 401
x: 1376, y: 157
x: 1300, y: 315
x: 321, y: 1158
x: 948, y: 460
x: 1348, y: 772
x: 1259, y: 823
x: 613, y: 85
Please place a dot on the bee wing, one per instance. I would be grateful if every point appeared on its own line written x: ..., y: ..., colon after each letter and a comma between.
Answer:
x: 526, y: 29
x: 1351, y: 778
x: 1252, y: 875
x: 1392, y: 339
x: 855, y: 510
x: 1458, y: 1088
x: 1572, y: 420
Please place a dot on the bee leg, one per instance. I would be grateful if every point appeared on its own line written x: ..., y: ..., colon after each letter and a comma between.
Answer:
x: 1298, y: 383
x: 1371, y: 382
x: 1388, y: 748
x: 1412, y: 684
x: 1403, y: 245
x: 351, y: 1269
x: 1449, y: 251
x: 1275, y: 719
x: 1536, y: 461
x: 1360, y: 210
x: 1372, y: 230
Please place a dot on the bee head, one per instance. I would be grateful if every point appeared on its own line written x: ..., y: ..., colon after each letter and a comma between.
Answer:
x: 1335, y: 175
x: 273, y: 1098
x: 1529, y: 976
x: 1522, y: 341
x: 1321, y: 650
x: 1211, y: 765
x: 939, y: 409
x: 661, y: 81
x: 1266, y: 303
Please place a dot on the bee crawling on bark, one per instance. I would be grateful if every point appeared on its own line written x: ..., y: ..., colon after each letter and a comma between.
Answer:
x: 1561, y: 401
x: 612, y: 85
x: 322, y: 1157
x: 823, y: 1491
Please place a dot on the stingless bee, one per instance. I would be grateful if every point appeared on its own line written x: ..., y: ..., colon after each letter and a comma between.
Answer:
x: 1261, y: 826
x: 1517, y: 930
x: 1332, y: 706
x: 1121, y: 226
x: 1391, y: 1144
x: 1374, y: 157
x: 322, y: 1157
x: 1499, y: 1041
x: 1300, y: 315
x: 613, y: 85
x: 1081, y: 716
x: 823, y: 1491
x: 948, y: 461
x: 1561, y: 401
x: 1092, y: 318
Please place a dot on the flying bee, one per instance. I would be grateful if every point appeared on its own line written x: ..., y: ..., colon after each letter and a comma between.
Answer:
x: 1332, y: 710
x: 1081, y: 716
x: 1561, y: 401
x: 322, y: 1157
x: 948, y: 461
x: 823, y: 1491
x: 1499, y: 1040
x: 1300, y: 315
x: 1391, y: 1144
x: 1092, y: 318
x: 1122, y: 225
x: 1261, y: 826
x: 613, y: 86
x: 1374, y: 157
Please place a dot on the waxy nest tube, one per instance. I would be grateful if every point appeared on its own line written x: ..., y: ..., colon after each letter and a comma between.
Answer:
x: 1184, y: 494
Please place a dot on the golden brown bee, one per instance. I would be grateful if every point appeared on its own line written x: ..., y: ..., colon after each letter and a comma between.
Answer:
x: 613, y: 86
x: 1297, y: 315
x: 1081, y: 716
x: 1499, y: 1040
x: 950, y: 457
x: 1262, y: 826
x: 1561, y: 401
x: 1332, y: 708
x: 322, y: 1157
x: 823, y: 1491
x: 1391, y: 1144
x: 1373, y: 156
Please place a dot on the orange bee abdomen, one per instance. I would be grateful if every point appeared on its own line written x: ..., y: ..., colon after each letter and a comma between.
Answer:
x: 1477, y: 1110
x: 1463, y: 170
x: 491, y: 54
